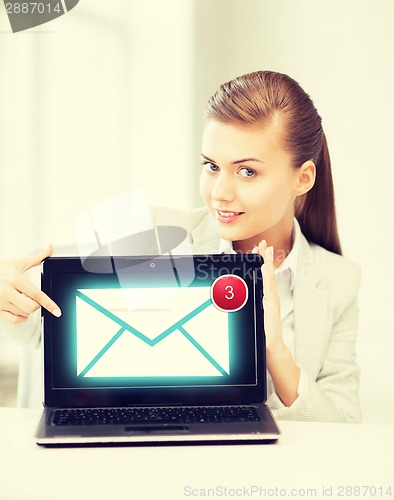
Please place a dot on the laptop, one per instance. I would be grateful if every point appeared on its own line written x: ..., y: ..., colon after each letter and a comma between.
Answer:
x: 155, y: 350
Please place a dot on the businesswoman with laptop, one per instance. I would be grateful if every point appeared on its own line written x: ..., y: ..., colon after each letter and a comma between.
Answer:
x: 267, y: 186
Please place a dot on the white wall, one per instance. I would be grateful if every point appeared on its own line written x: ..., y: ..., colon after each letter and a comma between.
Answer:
x: 93, y: 104
x: 342, y: 53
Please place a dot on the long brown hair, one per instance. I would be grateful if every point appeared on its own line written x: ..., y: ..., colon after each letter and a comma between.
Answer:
x: 263, y: 97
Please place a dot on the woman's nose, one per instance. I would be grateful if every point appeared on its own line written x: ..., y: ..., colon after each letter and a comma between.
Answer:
x: 222, y: 189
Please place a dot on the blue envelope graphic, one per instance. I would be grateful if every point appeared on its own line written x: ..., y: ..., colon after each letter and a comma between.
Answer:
x: 168, y: 332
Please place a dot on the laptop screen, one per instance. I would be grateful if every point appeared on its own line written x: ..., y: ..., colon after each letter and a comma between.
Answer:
x: 151, y: 330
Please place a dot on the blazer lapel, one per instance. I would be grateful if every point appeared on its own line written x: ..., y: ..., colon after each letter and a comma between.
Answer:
x: 310, y: 312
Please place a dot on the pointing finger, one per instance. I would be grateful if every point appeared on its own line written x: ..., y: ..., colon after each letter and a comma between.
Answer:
x: 38, y: 296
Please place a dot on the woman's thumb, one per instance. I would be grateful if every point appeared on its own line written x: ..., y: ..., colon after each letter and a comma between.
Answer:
x: 37, y: 258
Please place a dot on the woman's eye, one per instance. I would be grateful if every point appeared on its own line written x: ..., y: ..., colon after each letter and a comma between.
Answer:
x: 247, y: 172
x: 210, y: 167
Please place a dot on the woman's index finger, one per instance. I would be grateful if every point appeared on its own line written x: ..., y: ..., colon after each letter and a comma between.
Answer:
x: 27, y: 288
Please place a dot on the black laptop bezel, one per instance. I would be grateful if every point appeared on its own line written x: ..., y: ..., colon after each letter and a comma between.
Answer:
x: 123, y: 397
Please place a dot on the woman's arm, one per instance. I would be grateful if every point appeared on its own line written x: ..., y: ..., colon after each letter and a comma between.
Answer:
x: 284, y: 372
x: 333, y: 394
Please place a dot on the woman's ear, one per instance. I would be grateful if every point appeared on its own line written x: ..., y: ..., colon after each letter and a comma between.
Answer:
x: 306, y: 176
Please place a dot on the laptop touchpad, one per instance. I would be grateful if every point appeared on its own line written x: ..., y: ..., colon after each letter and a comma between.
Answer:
x: 157, y: 429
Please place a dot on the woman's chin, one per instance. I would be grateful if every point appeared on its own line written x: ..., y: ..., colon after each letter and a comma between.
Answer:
x: 230, y: 233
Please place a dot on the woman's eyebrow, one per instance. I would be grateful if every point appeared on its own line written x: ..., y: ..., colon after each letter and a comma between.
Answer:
x: 208, y: 159
x: 236, y: 161
x: 247, y: 159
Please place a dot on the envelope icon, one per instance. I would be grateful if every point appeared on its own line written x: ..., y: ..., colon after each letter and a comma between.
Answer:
x: 168, y: 332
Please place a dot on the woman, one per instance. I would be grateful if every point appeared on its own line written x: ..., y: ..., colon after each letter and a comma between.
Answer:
x: 267, y: 185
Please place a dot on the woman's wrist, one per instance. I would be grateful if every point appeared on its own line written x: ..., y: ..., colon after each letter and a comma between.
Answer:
x: 284, y: 372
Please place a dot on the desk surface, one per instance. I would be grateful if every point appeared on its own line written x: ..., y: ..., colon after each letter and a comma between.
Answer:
x: 309, y: 460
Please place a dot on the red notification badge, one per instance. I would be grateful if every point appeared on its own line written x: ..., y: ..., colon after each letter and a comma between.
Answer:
x: 229, y: 293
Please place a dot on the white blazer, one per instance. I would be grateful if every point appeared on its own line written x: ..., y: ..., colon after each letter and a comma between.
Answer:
x: 325, y: 324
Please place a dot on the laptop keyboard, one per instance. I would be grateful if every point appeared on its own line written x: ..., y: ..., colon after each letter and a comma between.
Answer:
x: 164, y: 415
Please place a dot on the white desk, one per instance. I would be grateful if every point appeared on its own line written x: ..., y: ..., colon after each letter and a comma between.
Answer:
x: 308, y: 456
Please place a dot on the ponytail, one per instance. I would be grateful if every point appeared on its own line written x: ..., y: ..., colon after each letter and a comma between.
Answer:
x: 316, y: 211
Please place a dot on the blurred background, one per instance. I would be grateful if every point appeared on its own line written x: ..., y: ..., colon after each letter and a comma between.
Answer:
x: 111, y: 97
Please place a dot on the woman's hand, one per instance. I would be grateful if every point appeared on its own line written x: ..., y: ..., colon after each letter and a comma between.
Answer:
x: 284, y: 372
x: 18, y: 296
x: 271, y: 303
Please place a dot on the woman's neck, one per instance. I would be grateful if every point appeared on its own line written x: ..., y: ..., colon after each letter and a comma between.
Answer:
x: 280, y: 237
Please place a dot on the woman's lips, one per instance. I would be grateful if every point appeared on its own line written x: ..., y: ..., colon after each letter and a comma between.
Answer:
x: 226, y: 217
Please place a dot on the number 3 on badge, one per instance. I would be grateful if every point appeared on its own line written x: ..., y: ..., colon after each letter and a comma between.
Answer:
x: 229, y: 293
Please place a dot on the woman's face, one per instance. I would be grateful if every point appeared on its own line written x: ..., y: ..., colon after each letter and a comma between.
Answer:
x: 247, y: 182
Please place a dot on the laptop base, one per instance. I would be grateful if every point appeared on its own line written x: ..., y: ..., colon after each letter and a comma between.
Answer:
x: 263, y: 431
